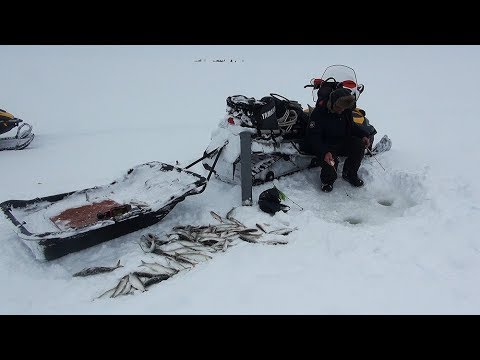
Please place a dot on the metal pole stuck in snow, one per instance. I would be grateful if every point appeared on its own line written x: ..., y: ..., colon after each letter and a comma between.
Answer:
x: 246, y: 167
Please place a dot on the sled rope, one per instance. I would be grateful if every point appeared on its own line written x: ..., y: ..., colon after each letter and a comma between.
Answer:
x: 215, y: 162
x: 219, y: 149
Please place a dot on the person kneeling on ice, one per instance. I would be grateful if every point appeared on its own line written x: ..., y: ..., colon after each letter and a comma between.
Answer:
x: 330, y: 133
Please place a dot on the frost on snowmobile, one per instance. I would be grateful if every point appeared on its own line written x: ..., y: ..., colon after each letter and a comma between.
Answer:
x: 57, y: 225
x: 277, y: 128
x: 23, y: 137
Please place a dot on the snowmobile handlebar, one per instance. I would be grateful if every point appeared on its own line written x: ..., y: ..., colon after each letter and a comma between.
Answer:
x: 316, y: 83
x: 14, y: 121
x: 277, y: 96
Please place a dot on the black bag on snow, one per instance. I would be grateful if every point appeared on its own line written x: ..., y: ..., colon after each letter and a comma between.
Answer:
x: 269, y: 201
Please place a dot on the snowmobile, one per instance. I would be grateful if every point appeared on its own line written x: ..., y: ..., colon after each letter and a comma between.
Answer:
x: 23, y: 136
x: 276, y: 129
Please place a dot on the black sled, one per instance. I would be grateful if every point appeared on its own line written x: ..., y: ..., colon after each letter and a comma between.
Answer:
x: 57, y: 225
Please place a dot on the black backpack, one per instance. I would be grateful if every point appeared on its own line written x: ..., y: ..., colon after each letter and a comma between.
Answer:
x: 273, y: 113
x: 259, y: 114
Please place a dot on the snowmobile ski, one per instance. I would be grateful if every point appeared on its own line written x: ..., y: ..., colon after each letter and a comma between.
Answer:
x: 383, y: 145
x: 14, y: 143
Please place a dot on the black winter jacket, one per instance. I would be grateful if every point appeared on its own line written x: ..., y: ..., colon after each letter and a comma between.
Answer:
x: 327, y: 131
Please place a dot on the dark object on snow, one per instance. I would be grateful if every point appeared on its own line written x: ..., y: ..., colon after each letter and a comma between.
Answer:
x: 352, y: 179
x: 327, y: 187
x: 269, y: 201
x: 146, y: 194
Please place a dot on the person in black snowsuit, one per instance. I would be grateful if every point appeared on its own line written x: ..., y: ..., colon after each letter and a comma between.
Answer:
x: 331, y: 133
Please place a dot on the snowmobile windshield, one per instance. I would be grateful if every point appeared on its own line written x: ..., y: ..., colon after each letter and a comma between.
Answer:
x: 340, y: 74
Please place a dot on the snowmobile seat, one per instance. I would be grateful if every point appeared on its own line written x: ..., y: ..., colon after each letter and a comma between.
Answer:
x: 6, y: 126
x: 7, y: 121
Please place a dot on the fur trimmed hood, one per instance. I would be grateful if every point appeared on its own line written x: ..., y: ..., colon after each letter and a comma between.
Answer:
x: 343, y: 98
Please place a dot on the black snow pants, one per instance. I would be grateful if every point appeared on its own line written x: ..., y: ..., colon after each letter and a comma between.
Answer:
x: 353, y: 149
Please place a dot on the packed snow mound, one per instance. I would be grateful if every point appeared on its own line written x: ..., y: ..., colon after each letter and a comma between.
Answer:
x: 386, y: 195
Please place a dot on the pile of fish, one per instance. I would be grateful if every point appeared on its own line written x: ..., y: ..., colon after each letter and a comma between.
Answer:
x: 184, y: 247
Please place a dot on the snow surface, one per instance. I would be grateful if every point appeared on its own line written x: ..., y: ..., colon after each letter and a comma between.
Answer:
x: 405, y: 243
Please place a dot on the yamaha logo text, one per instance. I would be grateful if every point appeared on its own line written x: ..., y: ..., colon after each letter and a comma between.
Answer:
x: 268, y: 113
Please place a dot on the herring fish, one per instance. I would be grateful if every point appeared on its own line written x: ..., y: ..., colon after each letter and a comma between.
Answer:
x: 158, y: 268
x: 230, y: 213
x: 121, y: 287
x: 261, y: 228
x: 156, y: 279
x: 235, y: 221
x: 284, y: 231
x: 97, y: 270
x: 136, y: 282
x: 107, y: 293
x: 248, y: 238
x: 216, y: 216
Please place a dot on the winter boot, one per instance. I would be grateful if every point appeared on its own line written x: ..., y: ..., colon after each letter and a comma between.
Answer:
x: 327, y: 187
x: 353, y: 179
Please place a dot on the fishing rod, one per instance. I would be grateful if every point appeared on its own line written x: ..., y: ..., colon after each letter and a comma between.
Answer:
x: 371, y: 154
x: 283, y: 194
x: 332, y: 164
